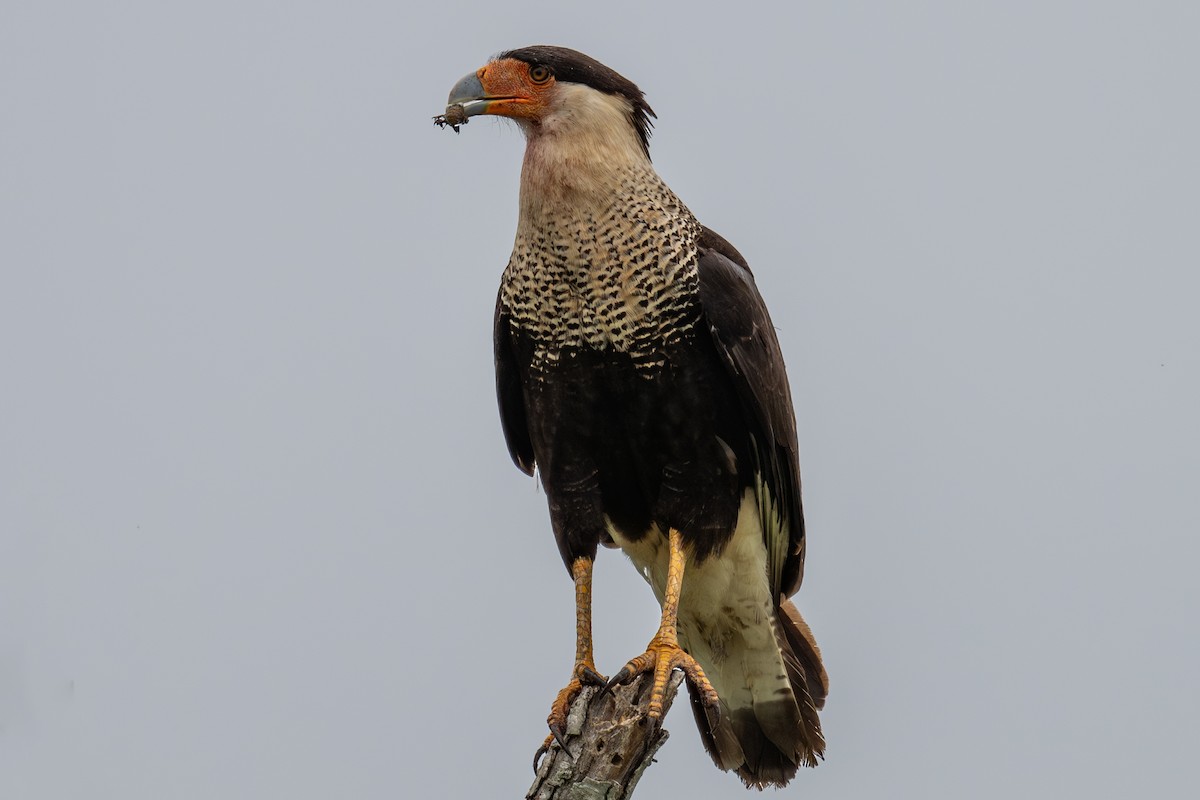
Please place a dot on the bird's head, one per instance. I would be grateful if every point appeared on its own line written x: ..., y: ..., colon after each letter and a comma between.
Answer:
x: 552, y: 90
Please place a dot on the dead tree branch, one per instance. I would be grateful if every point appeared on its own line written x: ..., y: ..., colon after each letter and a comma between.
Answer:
x: 610, y: 743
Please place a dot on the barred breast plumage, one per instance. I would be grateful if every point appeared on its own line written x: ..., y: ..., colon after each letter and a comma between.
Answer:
x: 619, y: 275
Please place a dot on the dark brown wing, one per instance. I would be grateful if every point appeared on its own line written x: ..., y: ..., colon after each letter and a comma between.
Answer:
x: 511, y: 396
x: 745, y: 339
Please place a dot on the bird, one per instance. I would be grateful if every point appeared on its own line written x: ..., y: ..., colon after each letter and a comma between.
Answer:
x: 639, y: 376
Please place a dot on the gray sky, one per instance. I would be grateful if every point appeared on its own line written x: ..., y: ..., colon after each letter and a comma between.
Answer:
x: 259, y: 533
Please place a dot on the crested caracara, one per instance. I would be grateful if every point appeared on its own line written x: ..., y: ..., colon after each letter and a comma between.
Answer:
x: 638, y: 370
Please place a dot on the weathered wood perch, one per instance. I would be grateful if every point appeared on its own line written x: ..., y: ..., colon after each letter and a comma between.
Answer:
x: 610, y: 742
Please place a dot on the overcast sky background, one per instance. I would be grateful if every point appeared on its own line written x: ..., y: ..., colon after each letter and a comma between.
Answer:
x: 259, y: 533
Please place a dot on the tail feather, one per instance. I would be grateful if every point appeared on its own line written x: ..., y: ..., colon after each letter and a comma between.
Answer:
x: 810, y: 683
x: 804, y: 648
x: 768, y: 729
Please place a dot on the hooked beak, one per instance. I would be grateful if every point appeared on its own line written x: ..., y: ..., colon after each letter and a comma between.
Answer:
x: 470, y: 95
x: 499, y: 87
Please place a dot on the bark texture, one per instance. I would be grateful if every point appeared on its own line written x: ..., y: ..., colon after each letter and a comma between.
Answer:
x: 610, y: 742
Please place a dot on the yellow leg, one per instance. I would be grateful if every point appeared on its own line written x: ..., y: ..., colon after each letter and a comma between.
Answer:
x: 664, y: 654
x: 585, y: 666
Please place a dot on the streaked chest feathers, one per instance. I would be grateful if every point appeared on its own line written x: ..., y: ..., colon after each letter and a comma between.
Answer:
x: 618, y: 274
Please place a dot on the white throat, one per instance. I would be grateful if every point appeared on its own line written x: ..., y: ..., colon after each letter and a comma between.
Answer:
x: 580, y: 152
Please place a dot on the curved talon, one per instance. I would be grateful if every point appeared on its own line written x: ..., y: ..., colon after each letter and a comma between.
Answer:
x: 559, y: 734
x: 541, y: 751
x: 594, y: 678
x: 620, y: 679
x: 589, y: 675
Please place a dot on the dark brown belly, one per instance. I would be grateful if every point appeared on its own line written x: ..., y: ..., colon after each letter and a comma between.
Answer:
x: 663, y: 444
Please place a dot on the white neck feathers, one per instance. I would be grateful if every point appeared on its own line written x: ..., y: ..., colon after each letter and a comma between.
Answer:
x: 581, y: 151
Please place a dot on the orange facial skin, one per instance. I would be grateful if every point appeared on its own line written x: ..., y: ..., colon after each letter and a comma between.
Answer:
x: 520, y: 91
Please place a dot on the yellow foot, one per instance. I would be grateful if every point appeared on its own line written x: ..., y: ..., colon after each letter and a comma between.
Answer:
x: 561, y: 707
x: 662, y: 656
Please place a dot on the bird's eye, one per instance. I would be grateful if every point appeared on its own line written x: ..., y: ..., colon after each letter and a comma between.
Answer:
x: 539, y: 74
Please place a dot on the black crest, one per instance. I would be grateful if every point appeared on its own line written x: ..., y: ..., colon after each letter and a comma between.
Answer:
x: 575, y: 67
